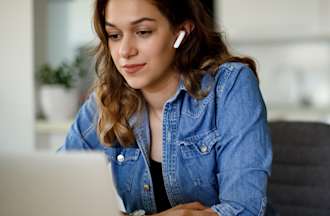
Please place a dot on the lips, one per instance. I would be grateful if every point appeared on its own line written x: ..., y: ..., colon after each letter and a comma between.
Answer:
x: 133, y: 68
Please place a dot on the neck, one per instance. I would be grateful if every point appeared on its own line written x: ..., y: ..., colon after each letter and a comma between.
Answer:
x: 157, y: 97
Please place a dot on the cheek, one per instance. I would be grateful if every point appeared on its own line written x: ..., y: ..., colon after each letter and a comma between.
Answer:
x: 112, y: 51
x: 114, y: 55
x: 160, y: 50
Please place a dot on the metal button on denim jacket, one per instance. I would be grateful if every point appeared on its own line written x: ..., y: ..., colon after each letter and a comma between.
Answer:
x: 216, y: 150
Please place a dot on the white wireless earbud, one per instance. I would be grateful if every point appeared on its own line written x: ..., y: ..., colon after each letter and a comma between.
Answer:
x: 179, y: 39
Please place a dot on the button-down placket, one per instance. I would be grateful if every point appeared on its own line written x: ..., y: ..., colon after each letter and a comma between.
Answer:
x: 170, y: 118
x: 143, y: 141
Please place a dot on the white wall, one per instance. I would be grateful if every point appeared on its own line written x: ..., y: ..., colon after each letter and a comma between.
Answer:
x: 260, y: 18
x: 291, y: 42
x: 16, y: 71
x: 69, y: 27
x: 80, y: 23
x: 58, y: 30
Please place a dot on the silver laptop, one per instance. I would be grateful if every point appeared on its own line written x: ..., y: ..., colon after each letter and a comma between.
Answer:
x: 47, y: 184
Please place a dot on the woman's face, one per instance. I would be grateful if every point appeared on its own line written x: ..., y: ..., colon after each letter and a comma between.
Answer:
x: 141, y: 43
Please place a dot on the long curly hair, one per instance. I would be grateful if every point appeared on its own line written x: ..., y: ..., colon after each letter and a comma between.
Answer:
x: 204, y: 50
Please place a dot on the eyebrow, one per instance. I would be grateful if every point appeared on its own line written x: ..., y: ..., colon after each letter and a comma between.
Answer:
x: 133, y: 22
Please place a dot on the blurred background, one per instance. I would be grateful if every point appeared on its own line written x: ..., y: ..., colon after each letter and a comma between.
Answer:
x: 45, y: 43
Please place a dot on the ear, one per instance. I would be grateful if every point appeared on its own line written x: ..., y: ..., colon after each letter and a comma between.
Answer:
x: 182, y: 32
x: 187, y: 26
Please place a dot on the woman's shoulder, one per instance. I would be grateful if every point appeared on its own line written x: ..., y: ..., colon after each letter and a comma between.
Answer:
x: 82, y: 133
x: 86, y: 119
x: 88, y: 115
x: 232, y: 70
x: 232, y: 66
x: 231, y: 74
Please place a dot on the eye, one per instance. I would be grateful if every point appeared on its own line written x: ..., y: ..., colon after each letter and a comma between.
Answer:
x: 144, y: 33
x: 114, y: 36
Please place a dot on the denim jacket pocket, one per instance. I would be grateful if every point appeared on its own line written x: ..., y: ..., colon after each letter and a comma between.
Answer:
x: 198, y: 145
x: 198, y: 155
x: 123, y: 163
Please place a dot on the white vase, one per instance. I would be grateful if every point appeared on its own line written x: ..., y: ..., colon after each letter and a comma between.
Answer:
x: 58, y: 103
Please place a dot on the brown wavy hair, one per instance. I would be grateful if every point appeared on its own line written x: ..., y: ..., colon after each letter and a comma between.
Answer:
x: 204, y: 50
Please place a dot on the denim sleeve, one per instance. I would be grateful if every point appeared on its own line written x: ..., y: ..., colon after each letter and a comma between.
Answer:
x: 244, y: 153
x: 82, y: 134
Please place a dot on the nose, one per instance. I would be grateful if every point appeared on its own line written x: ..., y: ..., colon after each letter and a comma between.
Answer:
x: 128, y: 48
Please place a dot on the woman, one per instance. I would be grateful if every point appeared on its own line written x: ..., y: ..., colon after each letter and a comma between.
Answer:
x: 181, y: 120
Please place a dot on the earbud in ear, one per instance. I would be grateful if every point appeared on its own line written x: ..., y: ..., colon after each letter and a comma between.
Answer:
x: 179, y: 39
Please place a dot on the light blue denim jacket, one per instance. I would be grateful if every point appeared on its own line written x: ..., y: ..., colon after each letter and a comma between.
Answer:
x: 216, y: 150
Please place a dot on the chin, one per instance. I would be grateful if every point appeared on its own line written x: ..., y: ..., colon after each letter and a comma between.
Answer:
x: 135, y: 85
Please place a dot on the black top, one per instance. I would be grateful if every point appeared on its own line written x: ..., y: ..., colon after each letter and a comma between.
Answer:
x: 162, y: 202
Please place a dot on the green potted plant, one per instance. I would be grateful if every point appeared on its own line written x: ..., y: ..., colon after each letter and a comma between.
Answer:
x: 59, y: 94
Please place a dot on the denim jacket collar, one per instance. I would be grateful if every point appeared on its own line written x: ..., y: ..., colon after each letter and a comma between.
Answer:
x: 138, y: 118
